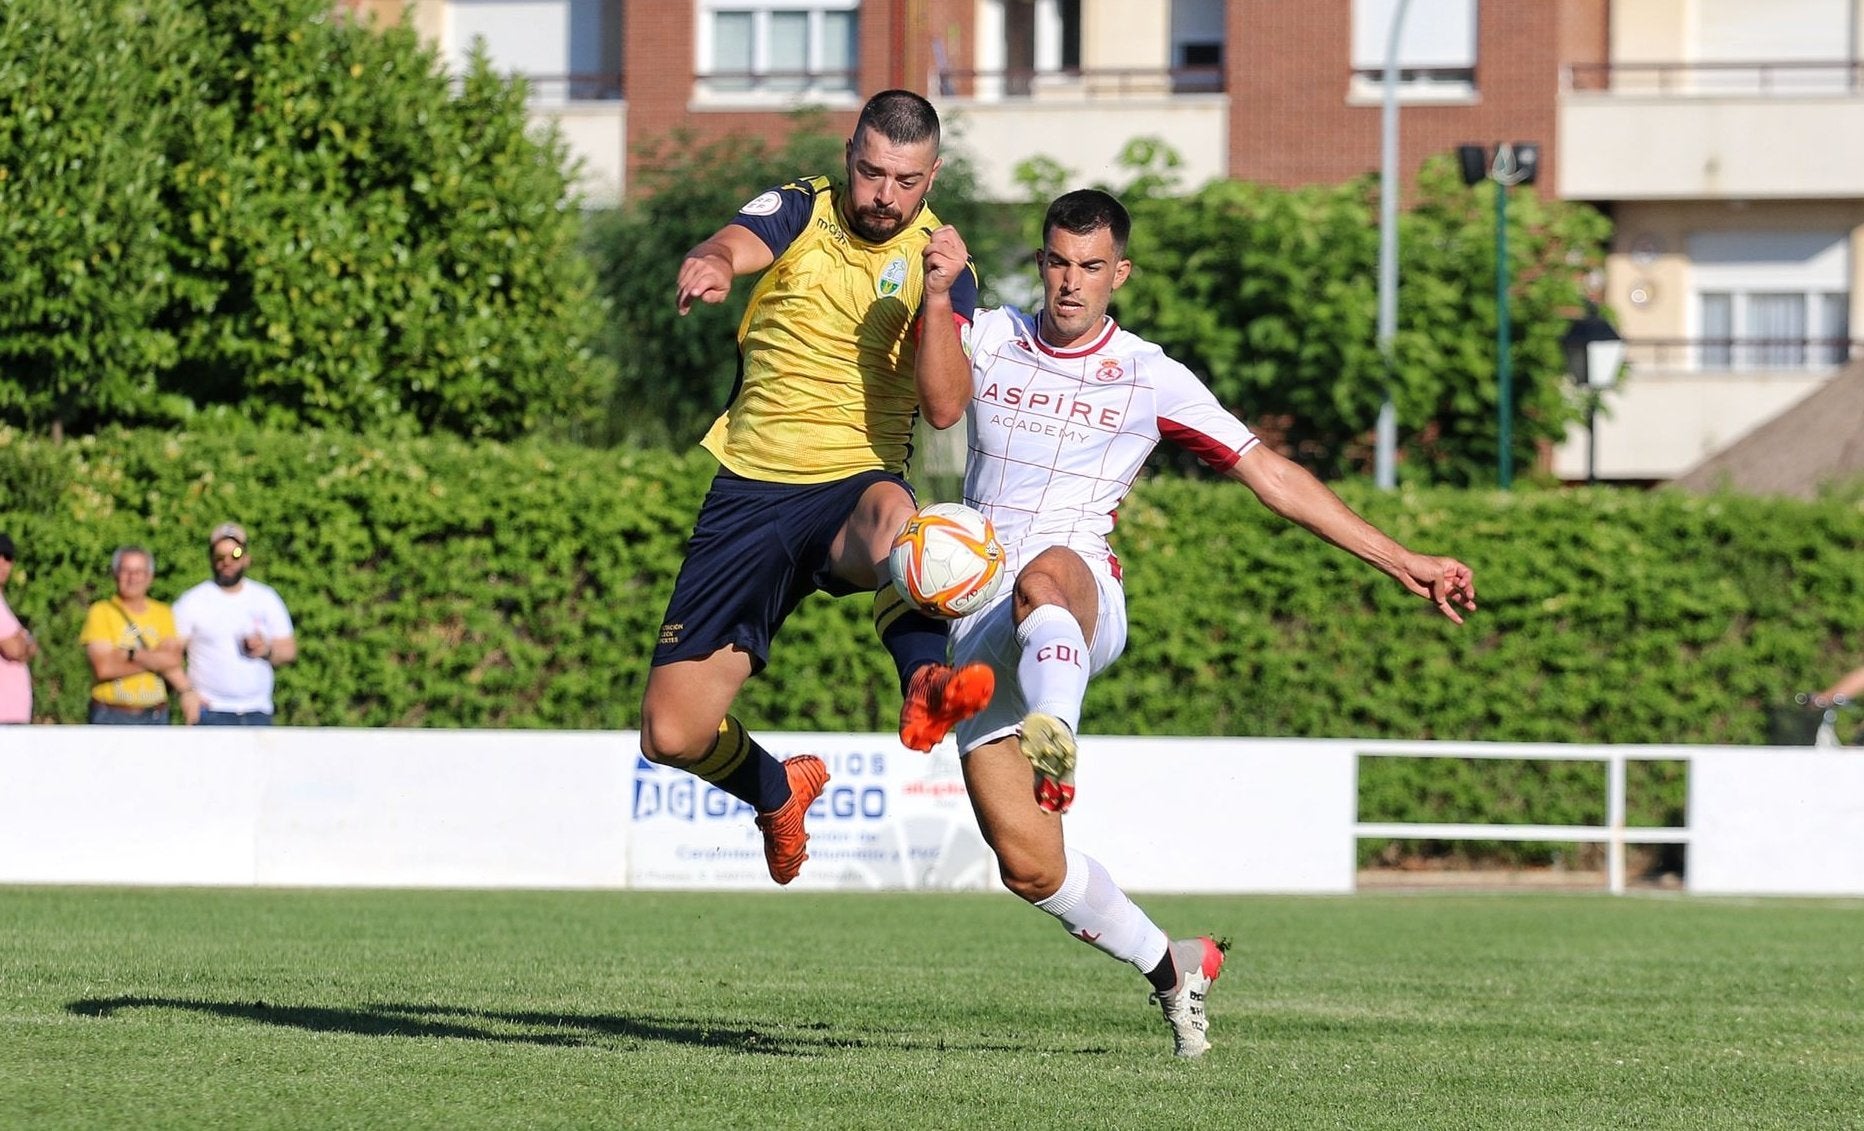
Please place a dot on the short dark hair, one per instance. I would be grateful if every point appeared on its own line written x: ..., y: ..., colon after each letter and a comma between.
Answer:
x: 900, y: 116
x: 1085, y: 211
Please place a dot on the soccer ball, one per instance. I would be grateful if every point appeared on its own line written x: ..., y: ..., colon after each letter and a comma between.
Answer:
x: 947, y: 561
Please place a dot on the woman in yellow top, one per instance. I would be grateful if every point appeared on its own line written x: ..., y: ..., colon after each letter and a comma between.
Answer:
x: 133, y: 649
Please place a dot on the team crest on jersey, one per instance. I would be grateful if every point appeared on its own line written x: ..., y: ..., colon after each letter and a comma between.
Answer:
x: 764, y: 204
x: 892, y: 279
x: 1109, y: 370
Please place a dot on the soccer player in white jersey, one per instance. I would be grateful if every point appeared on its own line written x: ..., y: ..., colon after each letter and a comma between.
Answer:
x: 1066, y: 406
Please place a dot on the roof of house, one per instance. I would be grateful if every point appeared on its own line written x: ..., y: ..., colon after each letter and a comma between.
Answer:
x: 1817, y: 442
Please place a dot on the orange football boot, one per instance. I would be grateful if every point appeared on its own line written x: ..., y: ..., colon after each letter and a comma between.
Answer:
x: 785, y: 840
x: 939, y: 698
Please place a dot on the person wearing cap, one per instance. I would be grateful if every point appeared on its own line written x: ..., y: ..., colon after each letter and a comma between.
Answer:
x: 131, y: 643
x: 234, y: 631
x: 17, y: 648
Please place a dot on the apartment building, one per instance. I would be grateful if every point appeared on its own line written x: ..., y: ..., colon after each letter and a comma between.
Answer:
x: 1726, y: 138
x: 1719, y: 134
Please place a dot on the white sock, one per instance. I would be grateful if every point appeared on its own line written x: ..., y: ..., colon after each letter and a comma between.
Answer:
x: 1097, y: 912
x: 1053, y: 668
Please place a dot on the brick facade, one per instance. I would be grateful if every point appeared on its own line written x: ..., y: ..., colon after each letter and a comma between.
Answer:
x: 1289, y: 69
x: 896, y: 51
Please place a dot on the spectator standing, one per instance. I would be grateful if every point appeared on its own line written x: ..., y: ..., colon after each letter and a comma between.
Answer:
x: 134, y: 652
x: 17, y: 648
x: 234, y: 631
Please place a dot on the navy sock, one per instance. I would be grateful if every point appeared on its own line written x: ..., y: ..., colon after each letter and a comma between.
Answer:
x: 913, y: 638
x: 742, y: 768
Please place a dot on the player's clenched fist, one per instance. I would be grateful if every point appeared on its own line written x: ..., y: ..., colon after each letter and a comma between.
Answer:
x: 945, y: 257
x: 703, y: 278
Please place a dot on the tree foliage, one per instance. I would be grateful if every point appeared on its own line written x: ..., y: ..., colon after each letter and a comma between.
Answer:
x: 275, y: 210
x: 675, y: 373
x: 1271, y: 295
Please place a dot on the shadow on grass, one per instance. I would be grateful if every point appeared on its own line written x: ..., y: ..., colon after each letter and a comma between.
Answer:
x: 569, y: 1030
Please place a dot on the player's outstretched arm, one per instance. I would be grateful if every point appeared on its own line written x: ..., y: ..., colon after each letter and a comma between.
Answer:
x: 1292, y: 492
x: 943, y: 373
x: 708, y: 269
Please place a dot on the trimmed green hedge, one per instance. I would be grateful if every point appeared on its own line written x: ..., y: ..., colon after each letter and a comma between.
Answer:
x: 446, y: 584
x: 441, y: 583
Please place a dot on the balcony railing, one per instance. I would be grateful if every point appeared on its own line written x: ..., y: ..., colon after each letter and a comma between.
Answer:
x: 1767, y: 79
x: 772, y: 84
x: 1099, y: 82
x: 583, y: 87
x: 1741, y: 355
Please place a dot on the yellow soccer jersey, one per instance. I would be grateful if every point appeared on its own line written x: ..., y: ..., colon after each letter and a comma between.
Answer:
x: 828, y: 344
x: 116, y: 626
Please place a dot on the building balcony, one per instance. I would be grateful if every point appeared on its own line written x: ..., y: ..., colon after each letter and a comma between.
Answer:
x: 1083, y: 120
x: 1684, y: 400
x: 1699, y: 131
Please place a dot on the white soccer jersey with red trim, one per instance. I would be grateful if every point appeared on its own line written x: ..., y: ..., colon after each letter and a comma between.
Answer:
x: 1058, y: 436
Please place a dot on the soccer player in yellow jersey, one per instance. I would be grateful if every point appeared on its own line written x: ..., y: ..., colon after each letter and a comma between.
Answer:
x: 854, y: 329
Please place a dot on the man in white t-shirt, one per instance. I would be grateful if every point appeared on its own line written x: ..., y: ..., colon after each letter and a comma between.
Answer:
x: 235, y: 632
x: 1066, y: 406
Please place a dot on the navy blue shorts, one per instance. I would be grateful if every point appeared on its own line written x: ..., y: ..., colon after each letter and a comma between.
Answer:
x: 757, y: 550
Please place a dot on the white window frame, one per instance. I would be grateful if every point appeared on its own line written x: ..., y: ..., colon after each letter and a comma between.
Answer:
x: 1437, y: 51
x: 559, y: 46
x: 1742, y: 265
x: 830, y: 90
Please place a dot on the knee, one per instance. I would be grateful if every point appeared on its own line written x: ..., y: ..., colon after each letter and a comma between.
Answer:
x: 669, y: 740
x: 1031, y: 877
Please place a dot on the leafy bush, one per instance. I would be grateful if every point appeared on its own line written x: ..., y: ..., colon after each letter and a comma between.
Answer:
x: 446, y: 584
x: 1271, y: 295
x: 275, y: 210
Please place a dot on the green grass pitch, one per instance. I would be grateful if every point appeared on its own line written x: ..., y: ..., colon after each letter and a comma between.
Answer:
x: 383, y: 1009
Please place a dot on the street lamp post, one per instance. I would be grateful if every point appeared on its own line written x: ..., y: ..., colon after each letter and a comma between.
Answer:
x: 1514, y: 163
x: 1594, y: 355
x: 1385, y: 458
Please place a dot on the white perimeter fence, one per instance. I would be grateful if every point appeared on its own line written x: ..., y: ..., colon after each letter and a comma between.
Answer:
x: 544, y: 809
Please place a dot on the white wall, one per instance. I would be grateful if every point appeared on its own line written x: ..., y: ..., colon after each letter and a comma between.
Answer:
x: 1660, y: 425
x: 539, y: 809
x: 1086, y: 135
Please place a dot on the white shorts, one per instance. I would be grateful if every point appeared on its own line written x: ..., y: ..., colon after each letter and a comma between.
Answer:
x: 989, y: 637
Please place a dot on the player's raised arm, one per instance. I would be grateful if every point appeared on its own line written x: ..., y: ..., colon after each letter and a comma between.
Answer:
x: 1292, y: 492
x: 943, y: 373
x: 708, y: 269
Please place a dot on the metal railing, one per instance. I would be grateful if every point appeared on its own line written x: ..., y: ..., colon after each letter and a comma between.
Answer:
x: 1614, y: 834
x: 779, y: 82
x: 1767, y: 78
x: 588, y: 86
x: 1099, y: 82
x: 1741, y: 355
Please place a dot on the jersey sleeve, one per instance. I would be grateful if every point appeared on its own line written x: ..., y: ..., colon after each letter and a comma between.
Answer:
x: 777, y: 216
x: 964, y: 293
x: 1190, y: 417
x: 97, y: 626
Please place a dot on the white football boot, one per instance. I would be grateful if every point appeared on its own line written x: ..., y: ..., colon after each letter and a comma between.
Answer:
x: 1199, y: 961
